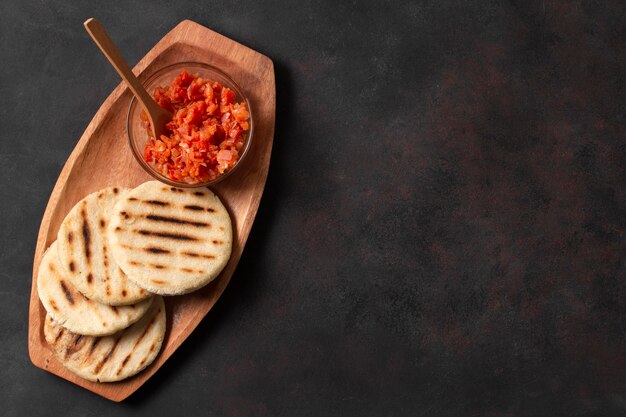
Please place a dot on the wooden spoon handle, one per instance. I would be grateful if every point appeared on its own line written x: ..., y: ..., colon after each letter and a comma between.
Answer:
x: 106, y: 45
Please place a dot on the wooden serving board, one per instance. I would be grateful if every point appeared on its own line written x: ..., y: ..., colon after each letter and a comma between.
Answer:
x: 103, y: 158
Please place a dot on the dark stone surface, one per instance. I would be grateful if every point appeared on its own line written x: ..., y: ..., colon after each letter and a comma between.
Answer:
x: 442, y: 232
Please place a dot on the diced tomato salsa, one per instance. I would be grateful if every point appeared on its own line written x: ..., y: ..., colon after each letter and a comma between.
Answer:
x: 206, y: 134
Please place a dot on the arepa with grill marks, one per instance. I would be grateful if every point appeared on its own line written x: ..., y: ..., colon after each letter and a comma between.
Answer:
x: 71, y: 309
x: 170, y: 240
x: 110, y: 358
x: 84, y: 251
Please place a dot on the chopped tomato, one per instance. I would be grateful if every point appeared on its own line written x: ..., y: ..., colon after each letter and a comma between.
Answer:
x: 206, y: 133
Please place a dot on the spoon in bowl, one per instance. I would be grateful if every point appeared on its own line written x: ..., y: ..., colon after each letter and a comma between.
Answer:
x: 157, y: 115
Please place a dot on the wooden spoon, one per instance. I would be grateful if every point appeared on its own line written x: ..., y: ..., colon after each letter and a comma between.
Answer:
x: 157, y: 115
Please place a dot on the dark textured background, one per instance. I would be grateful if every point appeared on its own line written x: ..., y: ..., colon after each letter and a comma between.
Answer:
x: 442, y: 232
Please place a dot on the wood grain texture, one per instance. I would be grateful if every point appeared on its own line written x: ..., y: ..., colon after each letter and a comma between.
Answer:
x: 102, y: 158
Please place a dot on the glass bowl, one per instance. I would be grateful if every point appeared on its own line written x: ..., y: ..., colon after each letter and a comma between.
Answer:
x: 138, y: 135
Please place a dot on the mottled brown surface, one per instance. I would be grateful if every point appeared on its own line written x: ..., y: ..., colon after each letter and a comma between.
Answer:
x: 442, y: 232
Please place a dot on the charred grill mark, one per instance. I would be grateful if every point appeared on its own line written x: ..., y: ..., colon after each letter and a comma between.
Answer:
x: 67, y: 293
x: 124, y: 293
x: 217, y: 242
x: 176, y: 220
x: 189, y: 270
x: 105, y: 261
x: 124, y: 215
x: 210, y: 210
x: 145, y: 331
x: 70, y: 237
x: 197, y: 255
x: 59, y: 334
x: 194, y: 207
x: 108, y: 289
x: 72, y: 266
x: 152, y: 346
x: 176, y: 190
x: 135, y: 263
x: 199, y: 194
x: 158, y: 281
x: 115, y: 190
x: 157, y: 203
x: 53, y: 305
x: 89, y: 278
x: 102, y: 223
x: 104, y: 360
x: 124, y: 362
x: 117, y: 229
x: 67, y: 352
x: 158, y: 266
x: 75, y: 346
x: 165, y: 235
x: 132, y: 199
x: 51, y: 267
x: 117, y: 313
x: 86, y: 235
x: 142, y: 361
x: 152, y: 249
x: 93, y: 346
x: 221, y: 228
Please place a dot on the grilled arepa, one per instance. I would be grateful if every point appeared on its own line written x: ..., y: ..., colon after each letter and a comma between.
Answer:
x: 71, y: 309
x: 85, y: 253
x: 110, y: 358
x: 170, y: 240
